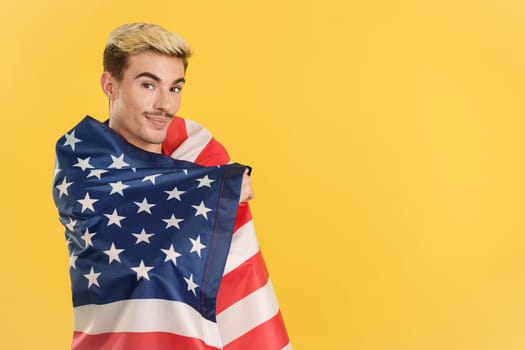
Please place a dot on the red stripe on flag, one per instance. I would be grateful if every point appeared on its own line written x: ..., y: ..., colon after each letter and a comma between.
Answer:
x: 271, y: 335
x: 244, y: 280
x: 175, y: 135
x: 243, y: 216
x: 213, y: 154
x: 137, y: 341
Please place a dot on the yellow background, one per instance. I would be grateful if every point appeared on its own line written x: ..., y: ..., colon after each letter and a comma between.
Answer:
x: 387, y: 143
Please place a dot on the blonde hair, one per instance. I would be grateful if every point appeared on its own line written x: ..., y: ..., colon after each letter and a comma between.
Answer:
x: 134, y: 38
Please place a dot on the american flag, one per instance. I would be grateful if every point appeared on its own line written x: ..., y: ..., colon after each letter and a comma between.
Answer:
x: 150, y: 241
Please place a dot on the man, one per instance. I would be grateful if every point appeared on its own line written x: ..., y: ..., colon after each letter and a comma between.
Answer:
x: 151, y: 289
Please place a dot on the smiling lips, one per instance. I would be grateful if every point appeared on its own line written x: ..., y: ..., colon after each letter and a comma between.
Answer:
x: 158, y: 119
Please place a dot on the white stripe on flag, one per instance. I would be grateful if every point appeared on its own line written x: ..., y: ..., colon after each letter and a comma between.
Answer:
x: 146, y: 315
x: 288, y: 347
x: 198, y: 138
x: 244, y: 246
x: 248, y: 313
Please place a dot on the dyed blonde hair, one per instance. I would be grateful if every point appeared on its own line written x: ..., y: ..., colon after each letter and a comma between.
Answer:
x: 134, y: 38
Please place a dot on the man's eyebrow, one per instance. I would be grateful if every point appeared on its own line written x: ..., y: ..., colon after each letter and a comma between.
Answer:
x: 148, y: 75
x: 156, y: 78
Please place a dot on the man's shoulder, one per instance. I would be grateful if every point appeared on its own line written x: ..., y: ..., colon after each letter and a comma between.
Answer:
x: 189, y: 140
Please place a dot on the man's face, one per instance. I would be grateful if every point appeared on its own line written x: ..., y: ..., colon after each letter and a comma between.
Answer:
x: 143, y: 103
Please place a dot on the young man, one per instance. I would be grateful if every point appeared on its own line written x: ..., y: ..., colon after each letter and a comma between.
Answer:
x: 153, y: 261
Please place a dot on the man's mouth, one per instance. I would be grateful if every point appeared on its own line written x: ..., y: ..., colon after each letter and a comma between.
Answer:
x: 158, y: 119
x: 158, y: 114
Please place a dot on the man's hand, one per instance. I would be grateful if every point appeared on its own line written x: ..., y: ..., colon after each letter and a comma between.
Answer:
x: 246, y: 188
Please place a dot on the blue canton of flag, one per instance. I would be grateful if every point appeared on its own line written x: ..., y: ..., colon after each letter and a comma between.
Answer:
x: 140, y: 225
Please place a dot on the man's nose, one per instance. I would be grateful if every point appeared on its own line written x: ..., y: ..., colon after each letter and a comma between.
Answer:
x: 163, y: 101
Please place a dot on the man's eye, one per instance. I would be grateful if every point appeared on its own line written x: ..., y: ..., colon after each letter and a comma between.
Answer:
x: 147, y: 86
x: 176, y: 89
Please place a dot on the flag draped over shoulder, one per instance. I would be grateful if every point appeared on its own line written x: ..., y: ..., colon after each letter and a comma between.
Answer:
x: 162, y: 256
x: 148, y: 238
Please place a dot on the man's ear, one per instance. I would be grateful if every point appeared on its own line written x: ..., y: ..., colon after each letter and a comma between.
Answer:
x: 109, y: 85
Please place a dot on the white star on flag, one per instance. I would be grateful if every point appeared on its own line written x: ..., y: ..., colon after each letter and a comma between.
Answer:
x: 62, y: 188
x: 118, y: 162
x: 205, y: 182
x: 174, y: 193
x: 118, y: 187
x: 172, y: 221
x: 87, y: 237
x: 97, y: 173
x: 87, y: 203
x: 197, y: 246
x: 171, y: 254
x: 142, y: 270
x: 114, y: 218
x: 113, y: 253
x: 71, y: 224
x: 143, y: 236
x: 92, y: 277
x: 201, y: 210
x: 71, y: 140
x: 73, y: 261
x: 191, y: 285
x: 84, y: 164
x: 151, y: 178
x: 144, y: 206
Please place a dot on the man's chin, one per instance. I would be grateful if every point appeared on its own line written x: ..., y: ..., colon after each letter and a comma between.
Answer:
x: 156, y: 138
